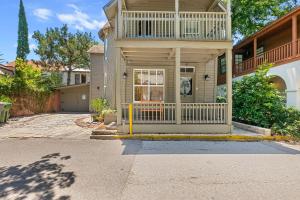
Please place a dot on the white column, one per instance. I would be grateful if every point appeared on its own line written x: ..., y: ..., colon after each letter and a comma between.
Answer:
x: 229, y: 85
x: 120, y: 20
x: 229, y: 28
x: 177, y: 22
x: 118, y: 86
x: 177, y: 86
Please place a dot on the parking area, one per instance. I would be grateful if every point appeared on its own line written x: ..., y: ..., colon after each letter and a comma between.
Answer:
x: 58, y: 125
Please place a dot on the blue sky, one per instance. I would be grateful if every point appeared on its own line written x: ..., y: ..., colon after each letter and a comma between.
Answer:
x: 83, y: 15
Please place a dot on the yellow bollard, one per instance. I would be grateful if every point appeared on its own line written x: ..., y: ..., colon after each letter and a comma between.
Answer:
x: 130, y: 119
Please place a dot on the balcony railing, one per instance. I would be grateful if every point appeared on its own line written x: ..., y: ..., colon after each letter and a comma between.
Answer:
x: 165, y: 113
x: 275, y: 56
x: 203, y: 25
x: 162, y: 25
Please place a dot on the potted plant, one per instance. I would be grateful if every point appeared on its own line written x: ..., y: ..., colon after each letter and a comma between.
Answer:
x: 109, y: 116
x: 98, y: 105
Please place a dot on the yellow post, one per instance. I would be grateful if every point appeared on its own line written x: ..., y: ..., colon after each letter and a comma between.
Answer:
x: 130, y: 119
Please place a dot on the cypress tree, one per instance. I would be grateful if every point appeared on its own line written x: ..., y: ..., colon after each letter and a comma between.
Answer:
x: 23, y: 46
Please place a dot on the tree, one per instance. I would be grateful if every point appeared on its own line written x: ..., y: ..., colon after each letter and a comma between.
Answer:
x: 249, y: 16
x: 59, y: 48
x: 23, y: 46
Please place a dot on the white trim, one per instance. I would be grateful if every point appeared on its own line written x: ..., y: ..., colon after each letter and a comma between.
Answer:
x: 148, y: 69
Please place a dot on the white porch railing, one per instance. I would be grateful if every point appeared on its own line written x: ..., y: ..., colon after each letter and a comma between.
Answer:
x: 150, y: 113
x: 162, y: 25
x: 145, y: 24
x: 165, y: 113
x: 203, y: 113
x: 203, y: 25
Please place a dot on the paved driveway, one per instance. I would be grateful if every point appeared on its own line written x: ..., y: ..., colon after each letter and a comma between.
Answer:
x: 135, y: 170
x: 46, y: 125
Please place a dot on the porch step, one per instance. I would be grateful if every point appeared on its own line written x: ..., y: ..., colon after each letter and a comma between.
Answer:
x: 112, y: 126
x: 104, y: 132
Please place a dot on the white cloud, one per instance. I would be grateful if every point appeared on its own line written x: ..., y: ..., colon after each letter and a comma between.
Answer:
x: 43, y: 13
x: 79, y: 19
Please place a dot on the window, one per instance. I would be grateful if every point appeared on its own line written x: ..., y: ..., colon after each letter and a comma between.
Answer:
x: 77, y: 79
x: 187, y: 69
x: 83, y: 78
x: 260, y: 51
x: 222, y: 65
x: 238, y: 58
x: 148, y: 85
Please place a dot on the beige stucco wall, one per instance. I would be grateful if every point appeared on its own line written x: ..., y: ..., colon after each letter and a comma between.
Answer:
x: 75, y: 99
x: 204, y: 91
x: 97, y: 70
x: 110, y: 72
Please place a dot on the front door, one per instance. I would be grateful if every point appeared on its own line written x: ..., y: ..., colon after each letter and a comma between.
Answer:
x: 187, y: 84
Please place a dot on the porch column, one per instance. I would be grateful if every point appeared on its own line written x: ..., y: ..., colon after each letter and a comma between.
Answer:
x: 229, y: 27
x: 294, y: 35
x: 177, y: 23
x: 254, y: 52
x: 177, y: 87
x: 118, y: 86
x: 229, y: 85
x: 120, y: 19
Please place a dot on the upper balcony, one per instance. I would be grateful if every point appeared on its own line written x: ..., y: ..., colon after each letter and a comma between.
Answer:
x: 162, y: 25
x: 205, y: 20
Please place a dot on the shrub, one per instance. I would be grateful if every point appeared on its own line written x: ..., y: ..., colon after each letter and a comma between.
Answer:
x: 28, y: 80
x: 108, y: 111
x: 5, y: 99
x: 99, y: 104
x: 256, y: 101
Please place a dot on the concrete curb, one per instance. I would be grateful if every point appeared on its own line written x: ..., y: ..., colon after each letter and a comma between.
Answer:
x: 174, y: 137
x: 255, y: 129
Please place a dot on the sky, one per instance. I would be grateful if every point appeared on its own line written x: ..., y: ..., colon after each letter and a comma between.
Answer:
x: 82, y: 15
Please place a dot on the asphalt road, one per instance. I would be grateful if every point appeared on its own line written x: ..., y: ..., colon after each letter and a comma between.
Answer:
x: 134, y: 170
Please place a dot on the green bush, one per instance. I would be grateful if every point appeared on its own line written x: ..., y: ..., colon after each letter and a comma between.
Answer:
x: 5, y: 99
x: 28, y: 80
x: 99, y: 104
x: 257, y: 102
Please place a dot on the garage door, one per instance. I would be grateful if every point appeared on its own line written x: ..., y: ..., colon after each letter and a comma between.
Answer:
x: 75, y: 99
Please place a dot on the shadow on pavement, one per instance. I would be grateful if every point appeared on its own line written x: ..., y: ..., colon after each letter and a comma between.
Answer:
x: 37, y: 180
x: 202, y: 147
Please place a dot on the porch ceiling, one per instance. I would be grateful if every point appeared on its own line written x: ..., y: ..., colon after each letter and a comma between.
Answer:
x: 167, y: 55
x: 168, y: 5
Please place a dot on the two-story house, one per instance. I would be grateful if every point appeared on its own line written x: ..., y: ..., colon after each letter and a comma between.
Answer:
x: 277, y: 43
x: 161, y: 57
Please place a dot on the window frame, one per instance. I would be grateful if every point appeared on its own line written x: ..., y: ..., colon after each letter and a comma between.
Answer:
x: 77, y: 74
x: 148, y: 85
x: 81, y: 75
x: 220, y: 72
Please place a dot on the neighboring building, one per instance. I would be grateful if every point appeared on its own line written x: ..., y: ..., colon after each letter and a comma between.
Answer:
x: 5, y: 70
x: 78, y: 76
x: 75, y: 97
x: 277, y: 43
x: 161, y: 56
